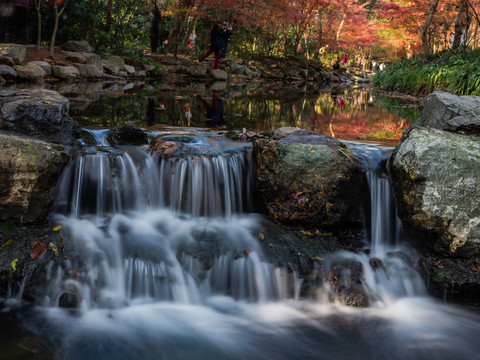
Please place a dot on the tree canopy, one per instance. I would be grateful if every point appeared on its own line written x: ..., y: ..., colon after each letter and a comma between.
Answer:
x: 381, y: 29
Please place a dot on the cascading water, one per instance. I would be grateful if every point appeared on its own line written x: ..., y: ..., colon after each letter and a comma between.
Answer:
x: 168, y: 265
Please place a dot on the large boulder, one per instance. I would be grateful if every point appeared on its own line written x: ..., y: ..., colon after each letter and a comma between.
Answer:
x: 28, y: 180
x: 445, y: 111
x: 309, y: 179
x: 15, y: 52
x: 37, y: 112
x: 436, y: 178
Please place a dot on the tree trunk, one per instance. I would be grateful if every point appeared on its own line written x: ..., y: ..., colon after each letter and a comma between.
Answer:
x: 55, y: 27
x: 426, y: 27
x: 340, y: 27
x: 462, y: 23
x: 108, y: 21
x: 38, y: 5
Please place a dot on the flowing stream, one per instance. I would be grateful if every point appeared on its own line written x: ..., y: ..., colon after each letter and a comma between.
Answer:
x: 169, y: 265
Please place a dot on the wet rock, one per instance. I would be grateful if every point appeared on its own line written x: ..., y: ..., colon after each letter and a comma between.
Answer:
x: 454, y: 280
x: 8, y: 73
x: 68, y: 300
x: 28, y: 180
x: 14, y: 51
x: 78, y: 46
x: 129, y: 134
x: 309, y: 179
x: 435, y: 176
x: 445, y: 111
x: 37, y: 112
x: 30, y: 72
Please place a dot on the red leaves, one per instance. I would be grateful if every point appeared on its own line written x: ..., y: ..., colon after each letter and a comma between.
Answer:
x: 38, y: 249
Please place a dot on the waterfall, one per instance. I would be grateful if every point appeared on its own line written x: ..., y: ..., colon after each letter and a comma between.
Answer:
x: 100, y: 181
x: 140, y: 222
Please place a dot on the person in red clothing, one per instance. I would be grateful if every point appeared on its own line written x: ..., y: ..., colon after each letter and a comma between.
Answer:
x: 345, y: 59
x: 219, y: 38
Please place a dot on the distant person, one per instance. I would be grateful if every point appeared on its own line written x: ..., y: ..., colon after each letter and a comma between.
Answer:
x: 219, y: 38
x: 381, y: 66
x: 336, y: 64
x: 345, y: 59
x: 214, y: 112
x: 155, y: 30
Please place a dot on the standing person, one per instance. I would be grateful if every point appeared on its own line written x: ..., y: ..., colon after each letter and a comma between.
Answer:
x: 217, y: 43
x: 227, y: 32
x: 155, y: 30
x: 345, y: 59
x: 336, y: 64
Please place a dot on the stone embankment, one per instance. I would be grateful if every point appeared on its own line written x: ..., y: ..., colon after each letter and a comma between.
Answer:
x: 76, y: 61
x: 435, y: 172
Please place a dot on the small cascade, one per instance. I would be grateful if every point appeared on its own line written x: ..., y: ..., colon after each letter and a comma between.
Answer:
x: 100, y: 181
x: 388, y: 270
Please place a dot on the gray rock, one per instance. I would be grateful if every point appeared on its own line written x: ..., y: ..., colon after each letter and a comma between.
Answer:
x: 44, y: 65
x: 15, y: 51
x: 37, y: 112
x: 122, y: 73
x: 7, y: 60
x: 445, y: 111
x: 28, y: 180
x: 129, y: 134
x: 309, y: 179
x: 76, y: 57
x: 436, y: 179
x: 130, y: 70
x: 194, y: 69
x: 93, y: 59
x: 140, y: 73
x: 8, y: 73
x: 219, y: 75
x: 113, y: 60
x: 89, y: 71
x: 78, y: 46
x: 65, y: 72
x: 111, y: 70
x: 30, y: 72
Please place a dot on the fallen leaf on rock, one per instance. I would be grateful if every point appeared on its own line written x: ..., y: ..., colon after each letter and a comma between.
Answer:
x: 38, y: 249
x: 54, y: 248
x: 14, y: 264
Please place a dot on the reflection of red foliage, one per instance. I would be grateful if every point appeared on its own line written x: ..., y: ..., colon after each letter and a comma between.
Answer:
x: 359, y: 124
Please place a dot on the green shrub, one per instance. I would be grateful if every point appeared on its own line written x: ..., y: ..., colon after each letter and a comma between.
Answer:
x: 455, y: 73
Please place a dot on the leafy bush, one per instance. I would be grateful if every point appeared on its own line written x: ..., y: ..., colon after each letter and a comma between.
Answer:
x: 455, y: 73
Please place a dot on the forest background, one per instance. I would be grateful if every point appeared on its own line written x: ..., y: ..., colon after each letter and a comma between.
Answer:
x: 371, y: 31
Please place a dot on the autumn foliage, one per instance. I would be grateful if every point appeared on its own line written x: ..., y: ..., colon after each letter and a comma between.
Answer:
x: 369, y: 29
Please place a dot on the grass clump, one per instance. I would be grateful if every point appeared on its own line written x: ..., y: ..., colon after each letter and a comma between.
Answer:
x: 456, y: 73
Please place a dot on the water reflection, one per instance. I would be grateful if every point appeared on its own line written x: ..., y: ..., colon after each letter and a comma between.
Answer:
x: 349, y: 114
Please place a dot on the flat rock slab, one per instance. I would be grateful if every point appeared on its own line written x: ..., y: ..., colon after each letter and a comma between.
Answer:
x: 39, y: 113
